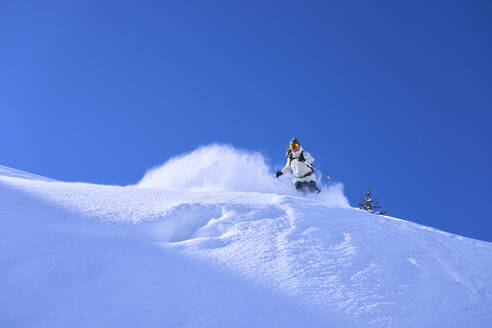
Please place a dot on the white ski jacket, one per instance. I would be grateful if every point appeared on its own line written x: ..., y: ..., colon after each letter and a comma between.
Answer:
x: 300, y: 169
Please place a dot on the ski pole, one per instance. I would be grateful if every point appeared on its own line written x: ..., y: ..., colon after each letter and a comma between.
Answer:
x: 326, y: 175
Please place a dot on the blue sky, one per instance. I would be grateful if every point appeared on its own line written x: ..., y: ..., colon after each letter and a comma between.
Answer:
x: 395, y: 95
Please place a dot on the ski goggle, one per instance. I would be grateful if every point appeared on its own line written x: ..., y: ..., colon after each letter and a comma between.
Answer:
x: 294, y: 146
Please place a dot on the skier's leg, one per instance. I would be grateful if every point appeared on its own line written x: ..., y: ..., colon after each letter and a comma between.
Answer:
x: 313, y: 188
x: 301, y: 186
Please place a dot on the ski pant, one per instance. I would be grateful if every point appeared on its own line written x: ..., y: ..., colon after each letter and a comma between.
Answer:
x: 306, y: 186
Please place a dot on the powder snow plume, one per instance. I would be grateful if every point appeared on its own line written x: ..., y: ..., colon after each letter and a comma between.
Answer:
x: 225, y: 168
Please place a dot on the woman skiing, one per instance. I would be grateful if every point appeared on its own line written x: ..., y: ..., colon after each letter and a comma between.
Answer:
x: 300, y: 162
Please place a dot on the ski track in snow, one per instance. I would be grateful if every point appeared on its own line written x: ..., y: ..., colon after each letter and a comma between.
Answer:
x: 310, y: 264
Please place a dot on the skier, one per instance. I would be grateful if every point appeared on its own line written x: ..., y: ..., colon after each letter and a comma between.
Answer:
x: 299, y: 161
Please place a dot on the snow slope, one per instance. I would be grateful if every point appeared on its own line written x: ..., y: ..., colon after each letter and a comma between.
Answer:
x: 199, y: 253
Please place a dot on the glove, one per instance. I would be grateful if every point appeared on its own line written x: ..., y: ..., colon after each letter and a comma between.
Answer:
x: 279, y: 173
x: 287, y: 153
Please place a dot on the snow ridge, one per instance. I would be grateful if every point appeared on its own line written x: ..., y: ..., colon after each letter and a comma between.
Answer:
x: 227, y: 254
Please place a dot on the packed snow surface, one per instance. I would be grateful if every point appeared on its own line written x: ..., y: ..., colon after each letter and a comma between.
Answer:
x: 210, y: 239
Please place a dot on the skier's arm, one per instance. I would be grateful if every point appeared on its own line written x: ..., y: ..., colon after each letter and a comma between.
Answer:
x: 285, y: 169
x: 308, y: 157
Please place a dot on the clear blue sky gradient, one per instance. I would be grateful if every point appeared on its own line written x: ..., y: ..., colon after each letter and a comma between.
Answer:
x: 395, y: 95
